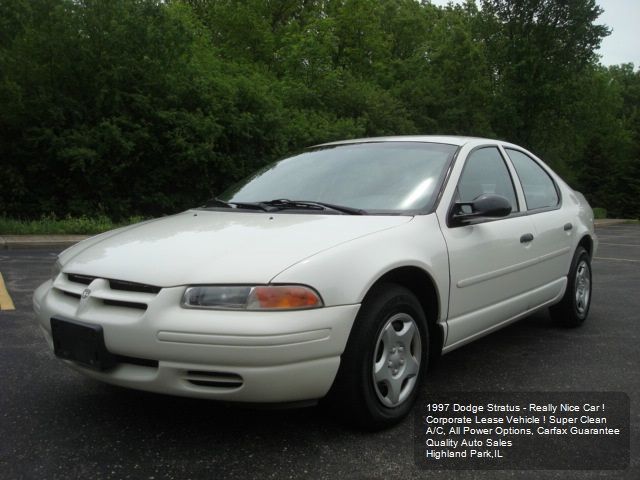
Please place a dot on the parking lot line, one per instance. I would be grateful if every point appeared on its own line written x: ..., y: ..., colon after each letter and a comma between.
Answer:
x: 5, y: 299
x: 627, y: 228
x: 620, y: 244
x: 617, y: 259
x: 617, y: 236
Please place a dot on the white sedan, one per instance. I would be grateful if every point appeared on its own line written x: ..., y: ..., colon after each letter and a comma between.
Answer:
x: 335, y: 274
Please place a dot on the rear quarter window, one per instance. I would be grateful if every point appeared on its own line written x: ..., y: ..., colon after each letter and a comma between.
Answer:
x: 539, y: 189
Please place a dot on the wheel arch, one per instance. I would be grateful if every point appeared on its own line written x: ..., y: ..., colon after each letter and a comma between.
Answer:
x: 586, y: 242
x: 424, y: 287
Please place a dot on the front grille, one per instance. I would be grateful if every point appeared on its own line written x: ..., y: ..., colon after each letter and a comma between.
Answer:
x: 115, y: 284
x: 132, y: 287
x: 83, y: 279
x: 119, y: 303
x: 211, y: 379
x: 132, y: 298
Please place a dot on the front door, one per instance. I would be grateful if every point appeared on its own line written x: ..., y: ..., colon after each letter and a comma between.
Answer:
x: 488, y: 260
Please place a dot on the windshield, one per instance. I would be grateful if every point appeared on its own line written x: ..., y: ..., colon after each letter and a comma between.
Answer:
x: 375, y: 177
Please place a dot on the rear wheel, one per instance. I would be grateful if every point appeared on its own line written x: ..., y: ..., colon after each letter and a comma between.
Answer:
x: 385, y: 360
x: 573, y: 309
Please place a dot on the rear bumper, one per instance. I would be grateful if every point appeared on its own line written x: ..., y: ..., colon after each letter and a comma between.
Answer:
x: 233, y: 356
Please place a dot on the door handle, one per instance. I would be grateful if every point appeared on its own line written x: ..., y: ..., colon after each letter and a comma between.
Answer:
x: 526, y: 238
x: 568, y: 226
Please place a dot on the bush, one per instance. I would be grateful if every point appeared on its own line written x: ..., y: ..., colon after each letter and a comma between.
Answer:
x: 49, y: 224
x: 599, y: 212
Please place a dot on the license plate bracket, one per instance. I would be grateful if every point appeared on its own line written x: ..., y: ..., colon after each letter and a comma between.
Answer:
x: 82, y: 343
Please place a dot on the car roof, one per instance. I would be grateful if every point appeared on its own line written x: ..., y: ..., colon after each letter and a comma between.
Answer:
x: 448, y: 139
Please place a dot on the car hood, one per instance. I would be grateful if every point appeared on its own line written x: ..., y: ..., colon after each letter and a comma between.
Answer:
x: 200, y: 246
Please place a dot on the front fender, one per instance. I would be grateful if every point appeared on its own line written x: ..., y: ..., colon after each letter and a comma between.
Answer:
x: 344, y: 274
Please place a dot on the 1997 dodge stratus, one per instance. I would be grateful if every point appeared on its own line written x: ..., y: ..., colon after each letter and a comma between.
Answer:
x: 337, y: 273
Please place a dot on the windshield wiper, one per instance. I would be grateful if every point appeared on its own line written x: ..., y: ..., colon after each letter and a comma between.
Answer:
x: 284, y: 203
x: 216, y: 202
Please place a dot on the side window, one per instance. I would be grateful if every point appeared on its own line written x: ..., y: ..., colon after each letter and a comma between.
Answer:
x: 486, y: 172
x: 539, y: 189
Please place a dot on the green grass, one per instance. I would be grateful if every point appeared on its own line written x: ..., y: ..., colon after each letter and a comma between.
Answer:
x: 51, y: 225
x: 599, y: 213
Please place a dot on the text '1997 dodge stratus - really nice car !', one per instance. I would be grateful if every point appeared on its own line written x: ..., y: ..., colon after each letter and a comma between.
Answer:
x: 335, y: 274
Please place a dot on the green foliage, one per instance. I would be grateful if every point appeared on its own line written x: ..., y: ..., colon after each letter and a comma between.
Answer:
x: 146, y: 107
x: 599, y: 213
x: 50, y: 224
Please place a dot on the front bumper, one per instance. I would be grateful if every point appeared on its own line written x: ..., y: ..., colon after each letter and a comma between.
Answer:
x: 225, y: 355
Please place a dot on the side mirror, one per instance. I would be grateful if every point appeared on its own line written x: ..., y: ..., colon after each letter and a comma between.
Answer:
x: 486, y: 205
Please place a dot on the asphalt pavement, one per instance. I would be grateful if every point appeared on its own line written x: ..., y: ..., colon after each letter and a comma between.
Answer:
x: 54, y: 423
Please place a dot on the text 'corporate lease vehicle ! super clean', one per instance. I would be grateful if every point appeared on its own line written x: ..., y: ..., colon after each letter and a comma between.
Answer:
x: 336, y: 273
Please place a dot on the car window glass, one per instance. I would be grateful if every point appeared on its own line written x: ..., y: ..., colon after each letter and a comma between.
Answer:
x: 384, y: 176
x: 539, y: 189
x: 486, y: 172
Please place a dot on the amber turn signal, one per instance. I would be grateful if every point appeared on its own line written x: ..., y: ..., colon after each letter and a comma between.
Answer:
x: 282, y: 297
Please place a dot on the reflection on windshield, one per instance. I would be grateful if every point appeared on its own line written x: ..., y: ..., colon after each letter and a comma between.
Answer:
x: 383, y: 176
x: 423, y: 190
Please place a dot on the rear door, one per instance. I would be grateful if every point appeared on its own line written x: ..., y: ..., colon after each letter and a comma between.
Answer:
x: 553, y: 225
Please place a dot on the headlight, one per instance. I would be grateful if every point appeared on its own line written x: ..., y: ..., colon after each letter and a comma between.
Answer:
x: 55, y: 270
x: 252, y: 297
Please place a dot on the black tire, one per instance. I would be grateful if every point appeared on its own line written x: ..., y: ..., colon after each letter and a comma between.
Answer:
x: 572, y: 312
x: 355, y: 396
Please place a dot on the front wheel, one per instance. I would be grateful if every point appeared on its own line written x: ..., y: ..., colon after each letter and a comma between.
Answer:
x: 573, y: 309
x: 385, y: 360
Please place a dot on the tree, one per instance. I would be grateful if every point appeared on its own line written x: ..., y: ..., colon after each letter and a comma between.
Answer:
x: 151, y: 106
x: 537, y: 50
